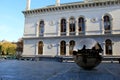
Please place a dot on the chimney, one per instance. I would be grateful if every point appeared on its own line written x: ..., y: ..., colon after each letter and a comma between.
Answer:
x: 57, y: 2
x: 28, y: 5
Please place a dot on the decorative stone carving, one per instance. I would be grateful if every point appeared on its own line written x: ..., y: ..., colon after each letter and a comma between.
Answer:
x: 93, y: 20
x: 51, y: 23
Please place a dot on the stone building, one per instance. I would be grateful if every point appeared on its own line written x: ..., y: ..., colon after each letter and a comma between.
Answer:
x: 55, y: 30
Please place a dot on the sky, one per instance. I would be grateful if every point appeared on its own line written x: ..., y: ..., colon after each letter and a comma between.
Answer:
x: 12, y: 18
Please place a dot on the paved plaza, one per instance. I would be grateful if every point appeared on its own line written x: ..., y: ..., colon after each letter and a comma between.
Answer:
x: 51, y: 70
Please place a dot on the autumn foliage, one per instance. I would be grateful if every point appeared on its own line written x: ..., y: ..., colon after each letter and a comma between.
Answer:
x: 7, y: 48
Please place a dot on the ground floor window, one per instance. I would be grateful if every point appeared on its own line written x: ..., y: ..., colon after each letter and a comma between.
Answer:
x: 71, y: 46
x: 108, y: 46
x: 63, y: 48
x: 40, y: 47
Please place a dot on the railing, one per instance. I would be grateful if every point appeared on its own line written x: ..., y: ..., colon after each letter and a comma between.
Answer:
x: 81, y: 33
x: 63, y: 33
x: 111, y: 58
x: 107, y: 31
x: 72, y: 33
x: 41, y: 34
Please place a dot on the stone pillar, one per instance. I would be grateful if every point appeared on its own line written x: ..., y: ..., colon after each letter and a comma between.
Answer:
x: 67, y: 49
x: 103, y: 47
x: 37, y: 29
x: 102, y: 26
x: 67, y: 27
x: 36, y: 48
x: 58, y: 49
x: 58, y: 28
x: 76, y: 27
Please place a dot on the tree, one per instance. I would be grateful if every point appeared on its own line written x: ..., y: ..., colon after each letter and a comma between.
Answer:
x: 8, y: 48
x: 19, y: 48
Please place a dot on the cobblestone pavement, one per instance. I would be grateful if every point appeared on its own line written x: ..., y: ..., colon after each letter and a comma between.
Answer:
x: 50, y: 70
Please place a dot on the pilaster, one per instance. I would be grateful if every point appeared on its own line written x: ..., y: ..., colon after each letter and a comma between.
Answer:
x: 67, y: 49
x: 76, y: 27
x: 67, y: 27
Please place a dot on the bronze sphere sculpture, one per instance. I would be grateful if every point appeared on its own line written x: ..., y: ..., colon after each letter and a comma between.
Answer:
x: 87, y: 53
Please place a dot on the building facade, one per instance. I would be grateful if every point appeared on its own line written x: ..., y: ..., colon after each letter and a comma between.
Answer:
x: 55, y: 30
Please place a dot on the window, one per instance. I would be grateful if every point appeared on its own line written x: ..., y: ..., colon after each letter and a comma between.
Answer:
x: 63, y: 48
x: 71, y: 46
x: 108, y: 46
x: 72, y: 26
x: 63, y: 27
x: 40, y: 47
x: 41, y: 28
x: 81, y: 25
x: 107, y: 24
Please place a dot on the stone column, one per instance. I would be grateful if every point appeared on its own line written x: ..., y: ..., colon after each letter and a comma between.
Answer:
x: 67, y: 27
x: 37, y: 29
x: 104, y: 50
x: 58, y: 49
x: 58, y: 28
x: 102, y: 26
x: 76, y: 27
x: 67, y: 49
x: 36, y: 48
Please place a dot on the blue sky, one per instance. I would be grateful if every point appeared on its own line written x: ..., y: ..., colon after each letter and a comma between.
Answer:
x: 12, y: 19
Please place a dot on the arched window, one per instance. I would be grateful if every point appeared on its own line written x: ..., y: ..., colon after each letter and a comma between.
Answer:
x: 72, y: 26
x: 71, y: 46
x: 63, y: 27
x: 63, y: 48
x: 40, y: 47
x: 107, y: 24
x: 81, y: 25
x: 41, y: 28
x: 108, y: 46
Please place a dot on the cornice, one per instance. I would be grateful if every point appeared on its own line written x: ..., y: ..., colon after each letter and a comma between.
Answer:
x: 78, y: 36
x: 78, y: 5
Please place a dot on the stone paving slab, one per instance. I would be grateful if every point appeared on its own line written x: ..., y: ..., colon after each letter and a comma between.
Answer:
x: 50, y: 70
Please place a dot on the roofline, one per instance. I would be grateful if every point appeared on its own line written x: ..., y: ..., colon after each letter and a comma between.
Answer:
x: 74, y: 5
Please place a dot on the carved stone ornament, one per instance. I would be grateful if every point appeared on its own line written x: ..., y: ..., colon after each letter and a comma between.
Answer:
x: 51, y: 23
x: 50, y: 46
x: 93, y: 20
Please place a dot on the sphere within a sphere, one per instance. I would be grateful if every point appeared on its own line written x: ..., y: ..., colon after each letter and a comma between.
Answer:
x: 87, y: 54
